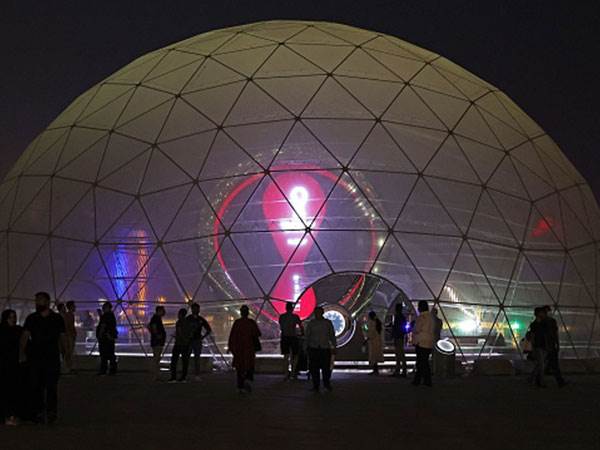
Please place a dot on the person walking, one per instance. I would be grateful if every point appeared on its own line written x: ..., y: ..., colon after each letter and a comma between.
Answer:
x: 10, y: 376
x: 158, y: 339
x: 181, y: 348
x: 398, y: 334
x: 374, y: 338
x: 290, y: 326
x: 196, y: 324
x: 321, y: 343
x: 545, y: 343
x: 423, y: 335
x: 42, y: 337
x: 68, y: 316
x: 244, y: 342
x: 106, y: 333
x: 553, y: 346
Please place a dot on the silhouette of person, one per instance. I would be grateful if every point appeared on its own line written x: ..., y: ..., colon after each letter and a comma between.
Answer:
x: 320, y: 342
x: 244, y: 342
x: 106, y: 333
x: 398, y: 334
x: 290, y: 325
x: 158, y: 339
x: 181, y: 348
x: 196, y: 324
x: 553, y: 347
x: 374, y: 338
x: 423, y: 335
x: 43, y: 336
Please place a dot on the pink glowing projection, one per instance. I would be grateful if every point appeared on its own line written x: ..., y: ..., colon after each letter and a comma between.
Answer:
x: 293, y: 205
x: 543, y: 227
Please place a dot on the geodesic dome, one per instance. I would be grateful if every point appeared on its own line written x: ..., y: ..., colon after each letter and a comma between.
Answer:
x: 243, y: 164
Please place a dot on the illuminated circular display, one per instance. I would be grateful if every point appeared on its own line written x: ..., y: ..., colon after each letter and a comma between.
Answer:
x: 338, y: 320
x: 445, y: 347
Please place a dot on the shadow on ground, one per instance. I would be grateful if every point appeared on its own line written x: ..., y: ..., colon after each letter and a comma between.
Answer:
x: 130, y: 412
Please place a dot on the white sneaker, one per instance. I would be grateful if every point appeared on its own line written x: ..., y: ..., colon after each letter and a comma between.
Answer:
x: 11, y: 421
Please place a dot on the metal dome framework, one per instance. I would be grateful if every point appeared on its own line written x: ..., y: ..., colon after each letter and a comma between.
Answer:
x: 173, y: 181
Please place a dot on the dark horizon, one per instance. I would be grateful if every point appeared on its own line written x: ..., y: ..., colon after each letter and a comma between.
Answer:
x: 540, y: 55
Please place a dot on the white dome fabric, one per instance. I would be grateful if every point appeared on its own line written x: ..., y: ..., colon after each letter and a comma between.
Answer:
x: 244, y: 164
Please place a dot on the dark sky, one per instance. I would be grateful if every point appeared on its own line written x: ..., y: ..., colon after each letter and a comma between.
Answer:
x: 543, y: 54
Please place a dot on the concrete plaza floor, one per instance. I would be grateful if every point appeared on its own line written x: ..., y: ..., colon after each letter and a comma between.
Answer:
x: 130, y: 412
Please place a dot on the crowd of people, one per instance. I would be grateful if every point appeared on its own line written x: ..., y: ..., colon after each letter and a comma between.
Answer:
x: 31, y: 355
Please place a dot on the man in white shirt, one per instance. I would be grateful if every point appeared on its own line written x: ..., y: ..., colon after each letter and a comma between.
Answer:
x: 320, y: 343
x: 423, y: 335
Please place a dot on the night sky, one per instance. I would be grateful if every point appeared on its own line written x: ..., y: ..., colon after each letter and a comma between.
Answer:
x: 545, y: 55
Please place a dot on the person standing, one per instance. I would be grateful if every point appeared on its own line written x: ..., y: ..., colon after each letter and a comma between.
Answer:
x: 374, y: 338
x: 398, y: 333
x: 41, y: 340
x: 553, y: 344
x: 423, y: 335
x: 106, y: 333
x: 68, y: 316
x: 158, y: 339
x: 196, y: 324
x: 539, y: 341
x: 321, y: 343
x: 290, y: 325
x: 181, y: 348
x: 244, y: 342
x: 10, y: 380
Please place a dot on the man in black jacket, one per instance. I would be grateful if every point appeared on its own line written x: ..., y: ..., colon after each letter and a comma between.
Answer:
x: 553, y: 343
x: 43, y: 336
x: 158, y: 339
x: 106, y: 333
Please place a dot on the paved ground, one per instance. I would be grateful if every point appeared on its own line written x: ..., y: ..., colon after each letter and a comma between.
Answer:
x: 127, y: 412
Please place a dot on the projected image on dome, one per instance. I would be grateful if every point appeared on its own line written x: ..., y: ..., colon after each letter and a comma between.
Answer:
x: 243, y: 165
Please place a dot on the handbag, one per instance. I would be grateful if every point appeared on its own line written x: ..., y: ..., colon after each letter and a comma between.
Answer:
x: 257, y: 345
